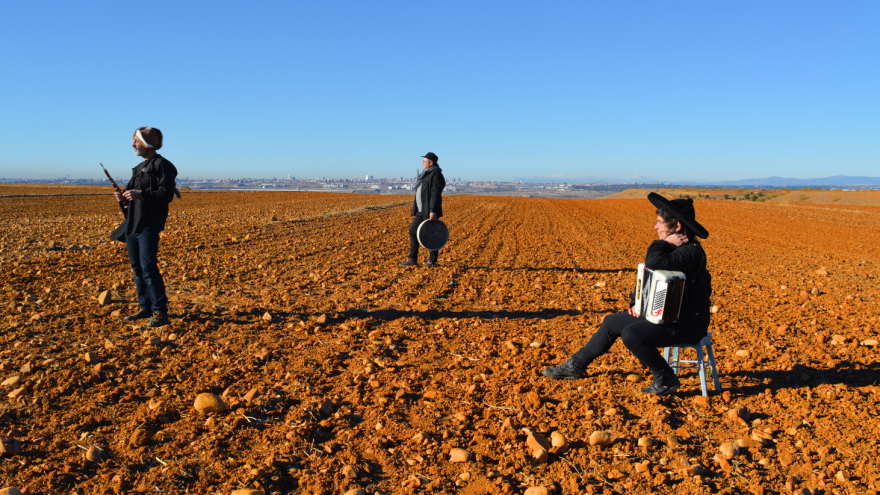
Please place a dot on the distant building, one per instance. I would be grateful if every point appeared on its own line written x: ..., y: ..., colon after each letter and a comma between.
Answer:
x: 369, y: 177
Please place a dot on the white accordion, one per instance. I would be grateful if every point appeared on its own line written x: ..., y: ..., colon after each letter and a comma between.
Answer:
x: 659, y: 294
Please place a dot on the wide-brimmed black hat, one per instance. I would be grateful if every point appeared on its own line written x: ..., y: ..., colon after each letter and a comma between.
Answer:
x: 430, y: 156
x: 683, y: 210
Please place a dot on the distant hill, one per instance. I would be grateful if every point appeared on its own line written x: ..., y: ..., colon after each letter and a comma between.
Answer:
x: 836, y: 180
x: 787, y: 196
x: 650, y: 182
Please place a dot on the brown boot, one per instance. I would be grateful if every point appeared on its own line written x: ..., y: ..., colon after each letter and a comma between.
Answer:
x: 408, y: 262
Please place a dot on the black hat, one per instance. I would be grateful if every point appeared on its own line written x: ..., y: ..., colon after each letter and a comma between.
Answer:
x: 683, y: 210
x: 431, y: 156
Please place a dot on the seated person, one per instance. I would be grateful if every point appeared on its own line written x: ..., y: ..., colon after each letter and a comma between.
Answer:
x: 676, y: 250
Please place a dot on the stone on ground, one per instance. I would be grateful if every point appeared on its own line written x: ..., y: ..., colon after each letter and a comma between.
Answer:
x: 209, y: 403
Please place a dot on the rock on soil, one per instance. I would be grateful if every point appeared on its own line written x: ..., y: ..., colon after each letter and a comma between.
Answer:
x: 536, y: 441
x: 209, y: 403
x: 601, y: 438
x: 11, y: 381
x: 558, y: 442
x: 459, y: 455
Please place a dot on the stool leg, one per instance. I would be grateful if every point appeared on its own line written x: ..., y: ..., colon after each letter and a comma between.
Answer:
x: 666, y: 354
x: 675, y: 351
x: 713, y: 367
x: 701, y: 363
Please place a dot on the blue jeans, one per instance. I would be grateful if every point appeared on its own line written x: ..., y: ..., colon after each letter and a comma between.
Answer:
x: 143, y: 252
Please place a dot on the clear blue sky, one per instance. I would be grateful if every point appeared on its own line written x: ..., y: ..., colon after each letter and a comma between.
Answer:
x: 687, y: 90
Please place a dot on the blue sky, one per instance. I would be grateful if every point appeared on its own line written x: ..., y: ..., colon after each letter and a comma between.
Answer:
x: 499, y: 90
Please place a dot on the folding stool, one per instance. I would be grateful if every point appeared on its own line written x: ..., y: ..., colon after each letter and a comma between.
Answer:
x: 700, y: 363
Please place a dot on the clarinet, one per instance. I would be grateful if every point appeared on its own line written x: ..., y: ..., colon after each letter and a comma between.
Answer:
x: 124, y: 201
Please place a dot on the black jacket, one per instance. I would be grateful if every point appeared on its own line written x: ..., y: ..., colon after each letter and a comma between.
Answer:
x: 693, y: 320
x: 432, y: 183
x: 155, y: 179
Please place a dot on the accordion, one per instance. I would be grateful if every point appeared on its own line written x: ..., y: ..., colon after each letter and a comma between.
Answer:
x: 659, y: 294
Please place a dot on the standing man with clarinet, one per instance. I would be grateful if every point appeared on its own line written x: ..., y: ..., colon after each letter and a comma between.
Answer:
x: 427, y: 205
x: 149, y: 191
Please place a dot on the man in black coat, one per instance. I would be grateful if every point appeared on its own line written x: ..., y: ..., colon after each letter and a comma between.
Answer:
x: 149, y: 191
x: 677, y: 249
x: 427, y: 205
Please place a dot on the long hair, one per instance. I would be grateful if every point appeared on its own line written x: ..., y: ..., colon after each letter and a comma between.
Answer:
x: 670, y: 220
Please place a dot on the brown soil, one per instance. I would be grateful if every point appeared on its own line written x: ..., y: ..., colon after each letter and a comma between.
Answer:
x: 328, y: 359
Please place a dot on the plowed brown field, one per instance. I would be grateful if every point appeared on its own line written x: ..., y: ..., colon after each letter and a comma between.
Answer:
x: 341, y: 371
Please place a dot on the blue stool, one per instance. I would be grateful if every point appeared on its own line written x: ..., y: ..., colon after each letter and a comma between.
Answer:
x: 676, y: 363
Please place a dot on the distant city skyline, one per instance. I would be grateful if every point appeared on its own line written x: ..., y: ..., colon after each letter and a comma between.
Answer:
x: 604, y: 91
x: 872, y: 183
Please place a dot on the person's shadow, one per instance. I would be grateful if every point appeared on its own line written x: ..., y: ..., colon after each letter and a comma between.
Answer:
x: 747, y: 382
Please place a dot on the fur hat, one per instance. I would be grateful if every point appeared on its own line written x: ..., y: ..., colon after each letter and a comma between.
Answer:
x: 150, y: 137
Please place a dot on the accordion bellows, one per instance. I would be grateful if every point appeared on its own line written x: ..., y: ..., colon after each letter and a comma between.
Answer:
x: 659, y: 294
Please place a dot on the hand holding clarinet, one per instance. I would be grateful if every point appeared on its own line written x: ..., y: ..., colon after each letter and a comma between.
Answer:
x: 119, y: 194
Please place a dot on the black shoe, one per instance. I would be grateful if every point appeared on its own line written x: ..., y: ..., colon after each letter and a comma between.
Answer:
x: 408, y: 262
x: 159, y: 319
x: 565, y: 371
x: 665, y: 387
x: 431, y: 264
x: 140, y: 315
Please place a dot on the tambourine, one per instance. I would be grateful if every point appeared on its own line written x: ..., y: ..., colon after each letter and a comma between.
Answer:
x: 433, y: 235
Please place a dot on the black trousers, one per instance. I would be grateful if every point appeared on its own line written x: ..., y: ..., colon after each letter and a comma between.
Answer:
x: 640, y: 336
x: 414, y: 241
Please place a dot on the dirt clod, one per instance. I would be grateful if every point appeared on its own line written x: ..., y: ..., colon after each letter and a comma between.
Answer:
x: 140, y: 437
x: 348, y: 471
x: 96, y: 454
x: 739, y: 414
x: 9, y: 447
x: 729, y: 450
